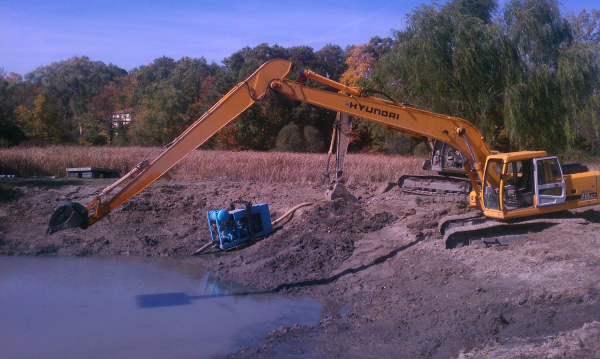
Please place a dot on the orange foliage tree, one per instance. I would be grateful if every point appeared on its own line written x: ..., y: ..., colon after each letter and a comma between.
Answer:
x: 360, y: 64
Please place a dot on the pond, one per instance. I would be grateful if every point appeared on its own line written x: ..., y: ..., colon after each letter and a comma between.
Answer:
x: 114, y: 307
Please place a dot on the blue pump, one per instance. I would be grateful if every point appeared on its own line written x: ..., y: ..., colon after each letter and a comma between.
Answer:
x: 230, y: 228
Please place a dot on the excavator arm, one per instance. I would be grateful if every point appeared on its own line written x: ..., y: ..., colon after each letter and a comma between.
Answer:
x: 458, y: 133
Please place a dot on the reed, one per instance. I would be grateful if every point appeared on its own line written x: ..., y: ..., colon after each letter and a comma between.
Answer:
x: 255, y: 166
x: 252, y: 166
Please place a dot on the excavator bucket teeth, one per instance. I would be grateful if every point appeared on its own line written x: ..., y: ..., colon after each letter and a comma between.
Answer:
x: 67, y: 215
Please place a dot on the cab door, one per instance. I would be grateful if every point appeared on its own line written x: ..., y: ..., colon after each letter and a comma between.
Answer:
x: 550, y: 188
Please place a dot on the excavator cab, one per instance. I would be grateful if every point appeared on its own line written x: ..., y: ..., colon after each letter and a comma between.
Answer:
x: 445, y: 159
x: 521, y: 181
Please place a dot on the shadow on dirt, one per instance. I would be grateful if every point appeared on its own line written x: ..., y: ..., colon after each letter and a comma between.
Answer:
x: 323, y: 281
x: 496, y: 237
x: 590, y: 215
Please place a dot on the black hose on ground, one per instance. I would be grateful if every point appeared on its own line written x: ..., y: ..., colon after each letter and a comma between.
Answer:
x: 202, y: 249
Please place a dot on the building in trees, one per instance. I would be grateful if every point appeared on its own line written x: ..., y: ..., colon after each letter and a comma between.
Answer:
x: 122, y: 118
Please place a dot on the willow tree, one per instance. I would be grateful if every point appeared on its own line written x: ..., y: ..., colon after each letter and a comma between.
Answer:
x: 550, y: 78
x: 447, y: 60
x: 586, y: 32
x: 518, y: 75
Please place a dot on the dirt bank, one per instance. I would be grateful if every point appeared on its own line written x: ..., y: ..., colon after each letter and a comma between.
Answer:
x: 390, y: 286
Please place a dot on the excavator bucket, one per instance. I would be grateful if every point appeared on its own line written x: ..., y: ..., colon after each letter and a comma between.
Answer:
x: 339, y: 191
x: 67, y: 215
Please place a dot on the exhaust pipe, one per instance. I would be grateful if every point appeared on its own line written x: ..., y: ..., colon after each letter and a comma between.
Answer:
x: 67, y: 215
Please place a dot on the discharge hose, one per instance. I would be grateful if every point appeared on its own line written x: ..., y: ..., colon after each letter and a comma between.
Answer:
x: 291, y: 211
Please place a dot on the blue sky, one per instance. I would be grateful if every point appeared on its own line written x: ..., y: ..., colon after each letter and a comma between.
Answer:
x: 132, y: 33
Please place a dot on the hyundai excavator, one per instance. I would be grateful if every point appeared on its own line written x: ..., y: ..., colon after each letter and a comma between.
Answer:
x: 513, y: 188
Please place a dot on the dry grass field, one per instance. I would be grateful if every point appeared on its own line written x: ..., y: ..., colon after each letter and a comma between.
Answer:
x: 258, y: 166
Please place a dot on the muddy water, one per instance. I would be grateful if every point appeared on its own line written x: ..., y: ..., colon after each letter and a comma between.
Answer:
x: 133, y: 308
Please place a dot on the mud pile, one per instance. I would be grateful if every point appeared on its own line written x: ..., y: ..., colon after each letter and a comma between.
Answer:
x: 307, y: 249
x: 343, y: 217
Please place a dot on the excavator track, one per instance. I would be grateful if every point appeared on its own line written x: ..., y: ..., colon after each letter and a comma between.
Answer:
x: 434, y: 185
x: 444, y: 222
x: 476, y: 231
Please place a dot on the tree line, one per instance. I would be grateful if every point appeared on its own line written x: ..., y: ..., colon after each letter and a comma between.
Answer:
x: 525, y: 74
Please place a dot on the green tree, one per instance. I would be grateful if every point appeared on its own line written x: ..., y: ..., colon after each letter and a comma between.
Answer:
x: 549, y: 78
x: 289, y: 139
x: 586, y: 32
x: 13, y: 92
x: 447, y: 60
x: 521, y: 78
x: 159, y: 120
x: 313, y: 141
x: 71, y: 84
x: 258, y: 127
x: 169, y: 96
x: 331, y: 60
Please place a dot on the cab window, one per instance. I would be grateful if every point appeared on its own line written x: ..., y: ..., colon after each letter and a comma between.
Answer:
x: 491, y: 185
x: 549, y: 172
x: 518, y: 189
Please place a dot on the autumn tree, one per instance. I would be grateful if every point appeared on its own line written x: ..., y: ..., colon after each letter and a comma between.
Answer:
x: 97, y: 123
x: 70, y: 85
x: 42, y: 121
x: 360, y: 64
x: 362, y: 61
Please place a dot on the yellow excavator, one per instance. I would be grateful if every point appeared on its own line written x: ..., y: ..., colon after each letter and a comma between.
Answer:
x: 508, y: 188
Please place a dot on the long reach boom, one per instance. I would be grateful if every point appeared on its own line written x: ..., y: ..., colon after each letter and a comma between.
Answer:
x: 271, y: 76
